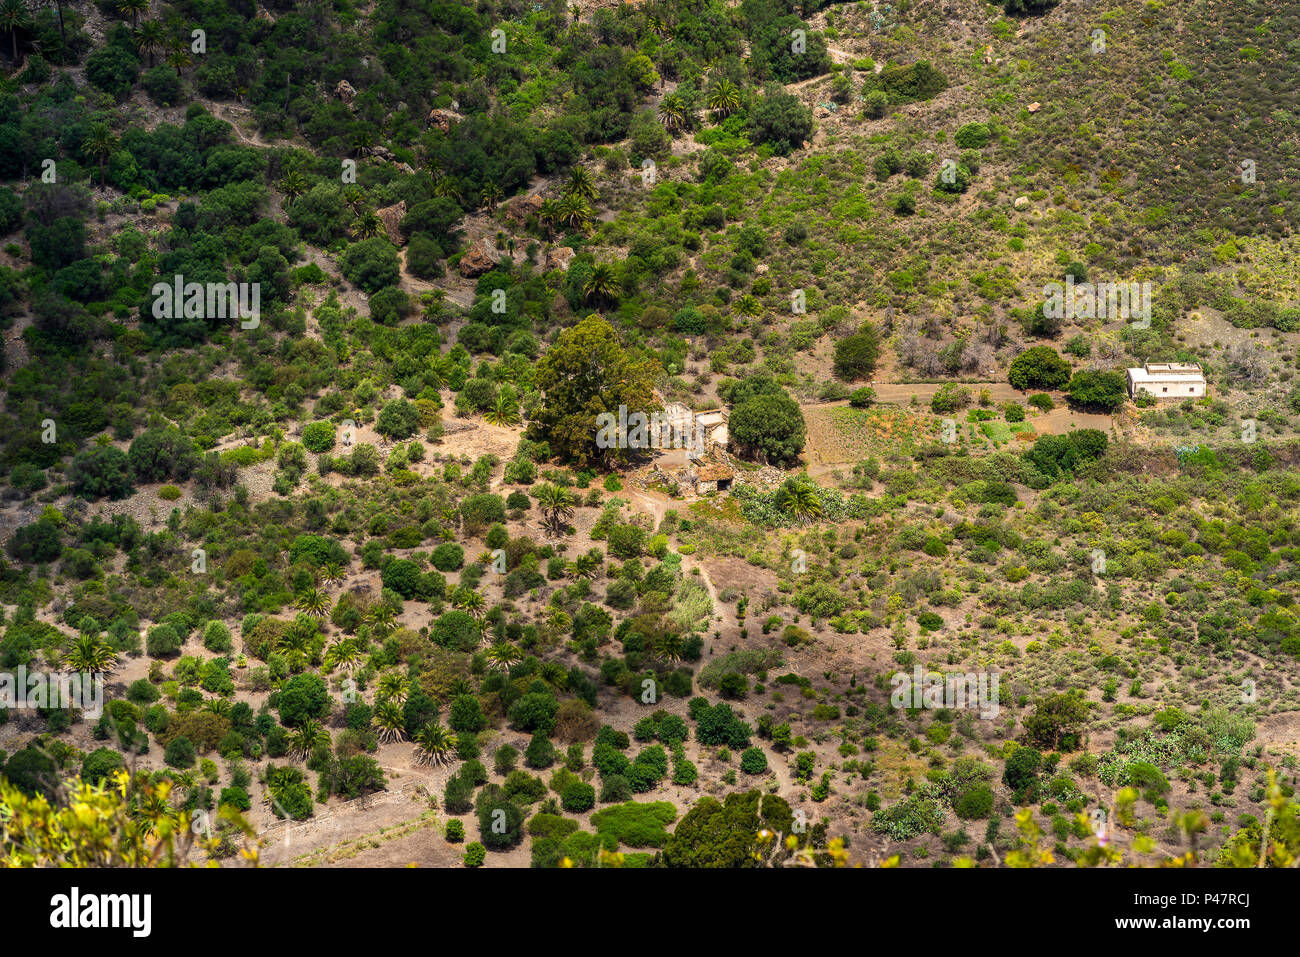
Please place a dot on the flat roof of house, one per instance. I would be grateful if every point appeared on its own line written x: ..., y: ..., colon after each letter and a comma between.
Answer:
x: 713, y: 473
x: 1173, y: 368
x: 1163, y: 373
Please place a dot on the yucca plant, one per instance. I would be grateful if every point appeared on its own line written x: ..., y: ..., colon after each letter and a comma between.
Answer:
x: 434, y: 744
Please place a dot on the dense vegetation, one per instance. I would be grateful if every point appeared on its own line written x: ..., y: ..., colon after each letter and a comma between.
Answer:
x: 374, y: 526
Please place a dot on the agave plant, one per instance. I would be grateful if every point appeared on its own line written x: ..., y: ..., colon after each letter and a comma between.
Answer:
x: 467, y: 599
x: 332, y: 573
x: 348, y: 654
x: 434, y: 744
x: 314, y: 602
x: 502, y: 656
x: 390, y: 722
x: 584, y: 566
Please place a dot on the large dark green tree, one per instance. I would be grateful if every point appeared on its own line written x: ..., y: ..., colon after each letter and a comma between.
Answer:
x: 584, y: 374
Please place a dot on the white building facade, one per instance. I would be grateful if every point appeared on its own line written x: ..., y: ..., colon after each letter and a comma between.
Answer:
x: 1167, y: 380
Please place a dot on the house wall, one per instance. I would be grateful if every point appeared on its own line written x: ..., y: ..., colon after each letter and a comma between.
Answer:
x: 1170, y: 389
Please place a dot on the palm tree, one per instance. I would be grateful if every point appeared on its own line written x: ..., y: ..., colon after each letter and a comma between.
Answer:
x: 314, y: 602
x: 295, y: 645
x: 362, y: 141
x: 354, y: 198
x: 603, y: 284
x: 557, y: 505
x: 392, y: 686
x: 91, y: 655
x: 293, y: 185
x: 304, y: 741
x: 434, y: 744
x: 447, y: 186
x: 133, y: 8
x: 580, y: 183
x: 559, y: 620
x: 584, y: 566
x: 575, y: 211
x: 670, y: 647
x: 505, y: 412
x: 13, y: 14
x: 348, y: 654
x: 724, y: 98
x: 218, y: 706
x: 548, y: 214
x: 503, y: 655
x: 390, y: 722
x: 672, y: 112
x: 748, y: 305
x: 800, y: 499
x: 367, y: 225
x: 490, y: 195
x: 178, y: 54
x: 150, y: 37
x: 100, y: 143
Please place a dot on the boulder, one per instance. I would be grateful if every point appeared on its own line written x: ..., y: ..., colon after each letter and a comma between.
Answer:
x: 521, y: 207
x: 345, y: 91
x: 478, y: 259
x: 1022, y: 202
x: 390, y: 216
x: 559, y: 257
x: 443, y: 119
x: 1034, y: 107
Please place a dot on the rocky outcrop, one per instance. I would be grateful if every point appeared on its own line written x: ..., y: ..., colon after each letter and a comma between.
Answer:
x: 345, y: 91
x: 478, y: 259
x: 559, y: 257
x: 521, y: 207
x: 390, y: 216
x: 444, y: 119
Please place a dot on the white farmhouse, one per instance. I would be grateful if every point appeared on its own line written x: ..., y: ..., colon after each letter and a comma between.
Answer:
x: 1167, y: 380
